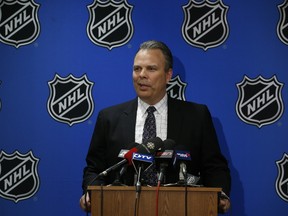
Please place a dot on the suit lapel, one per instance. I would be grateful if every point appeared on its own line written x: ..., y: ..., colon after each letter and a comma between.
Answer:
x: 174, y: 120
x: 129, y: 120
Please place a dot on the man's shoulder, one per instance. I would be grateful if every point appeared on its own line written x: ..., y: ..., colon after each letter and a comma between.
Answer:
x: 188, y: 104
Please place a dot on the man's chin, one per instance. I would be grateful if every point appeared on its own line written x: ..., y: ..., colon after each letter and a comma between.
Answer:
x: 144, y: 97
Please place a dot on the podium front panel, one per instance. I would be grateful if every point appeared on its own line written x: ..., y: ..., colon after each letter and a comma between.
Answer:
x: 120, y: 201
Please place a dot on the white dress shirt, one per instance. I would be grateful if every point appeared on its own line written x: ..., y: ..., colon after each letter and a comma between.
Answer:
x: 160, y: 116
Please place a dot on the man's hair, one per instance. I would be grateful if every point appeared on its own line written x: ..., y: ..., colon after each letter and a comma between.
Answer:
x: 152, y: 44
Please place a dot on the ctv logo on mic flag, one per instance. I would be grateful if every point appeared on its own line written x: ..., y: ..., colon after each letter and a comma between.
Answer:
x: 142, y: 160
x: 143, y: 157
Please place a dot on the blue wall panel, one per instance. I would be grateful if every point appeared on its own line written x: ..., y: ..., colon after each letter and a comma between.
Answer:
x: 252, y: 49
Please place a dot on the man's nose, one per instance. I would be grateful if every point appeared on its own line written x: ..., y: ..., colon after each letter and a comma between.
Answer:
x: 143, y: 73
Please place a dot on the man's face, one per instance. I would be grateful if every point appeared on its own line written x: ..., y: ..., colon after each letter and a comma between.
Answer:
x: 149, y: 76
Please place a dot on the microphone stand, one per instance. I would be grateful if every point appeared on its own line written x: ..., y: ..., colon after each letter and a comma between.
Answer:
x: 117, y: 181
x: 138, y: 183
x: 138, y: 190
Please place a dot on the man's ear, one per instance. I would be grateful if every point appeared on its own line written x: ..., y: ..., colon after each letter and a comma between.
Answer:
x: 169, y: 74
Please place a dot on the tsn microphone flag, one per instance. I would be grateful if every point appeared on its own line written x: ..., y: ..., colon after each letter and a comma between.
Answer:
x: 181, y: 155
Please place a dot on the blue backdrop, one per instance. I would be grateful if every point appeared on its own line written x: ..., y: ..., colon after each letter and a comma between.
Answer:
x: 63, y: 61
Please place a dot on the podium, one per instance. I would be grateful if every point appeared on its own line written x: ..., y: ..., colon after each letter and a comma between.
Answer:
x: 120, y: 201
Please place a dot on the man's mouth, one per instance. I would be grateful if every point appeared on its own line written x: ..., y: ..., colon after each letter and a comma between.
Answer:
x: 142, y: 84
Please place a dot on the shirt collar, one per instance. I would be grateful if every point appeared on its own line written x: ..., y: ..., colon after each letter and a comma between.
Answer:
x: 160, y: 106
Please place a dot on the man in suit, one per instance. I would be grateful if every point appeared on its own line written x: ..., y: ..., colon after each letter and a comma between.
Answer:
x: 186, y: 123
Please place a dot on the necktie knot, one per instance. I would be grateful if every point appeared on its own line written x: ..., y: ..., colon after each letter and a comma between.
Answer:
x: 151, y: 110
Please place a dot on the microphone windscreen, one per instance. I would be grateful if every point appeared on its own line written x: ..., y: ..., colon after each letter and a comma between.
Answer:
x: 152, y: 145
x: 128, y: 156
x: 169, y: 144
x: 129, y: 146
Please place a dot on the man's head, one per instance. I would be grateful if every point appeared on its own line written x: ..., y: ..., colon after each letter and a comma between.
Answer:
x: 152, y: 70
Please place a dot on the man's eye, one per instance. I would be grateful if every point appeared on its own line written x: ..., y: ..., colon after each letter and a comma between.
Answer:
x: 152, y: 68
x: 136, y: 69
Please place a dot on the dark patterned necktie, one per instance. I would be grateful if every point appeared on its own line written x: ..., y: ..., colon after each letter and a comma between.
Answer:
x: 149, y: 131
x: 150, y: 125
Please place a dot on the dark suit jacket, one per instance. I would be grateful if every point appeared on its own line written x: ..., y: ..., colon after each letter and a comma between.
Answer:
x: 189, y: 124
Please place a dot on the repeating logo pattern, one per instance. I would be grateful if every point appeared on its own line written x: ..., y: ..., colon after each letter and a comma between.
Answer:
x: 282, y: 178
x: 176, y: 88
x: 205, y: 24
x: 70, y: 99
x: 110, y: 23
x: 259, y: 100
x: 19, y: 178
x: 282, y: 26
x: 19, y: 24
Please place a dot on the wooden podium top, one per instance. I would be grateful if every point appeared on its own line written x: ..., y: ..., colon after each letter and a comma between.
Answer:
x: 120, y: 201
x: 146, y: 188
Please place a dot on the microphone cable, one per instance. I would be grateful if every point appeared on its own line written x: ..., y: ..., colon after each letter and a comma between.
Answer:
x: 86, y: 193
x: 157, y: 197
x: 102, y: 202
x: 186, y: 194
x: 186, y: 197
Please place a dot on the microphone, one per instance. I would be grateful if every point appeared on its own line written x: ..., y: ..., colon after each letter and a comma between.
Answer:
x: 117, y: 181
x: 181, y: 156
x: 145, y: 154
x: 127, y: 159
x: 145, y: 157
x: 164, y: 157
x: 143, y: 160
x: 150, y: 146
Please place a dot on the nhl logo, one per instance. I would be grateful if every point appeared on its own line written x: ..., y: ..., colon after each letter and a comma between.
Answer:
x: 282, y: 27
x: 19, y: 23
x: 110, y: 23
x: 176, y: 88
x: 259, y: 101
x: 282, y: 178
x: 205, y: 24
x: 19, y: 178
x: 70, y: 99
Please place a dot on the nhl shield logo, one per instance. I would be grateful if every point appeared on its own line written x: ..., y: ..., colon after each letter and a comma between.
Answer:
x: 176, y: 88
x: 19, y: 23
x: 70, y: 99
x: 205, y: 24
x: 110, y: 23
x: 259, y: 100
x: 19, y: 178
x: 282, y: 178
x: 282, y: 27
